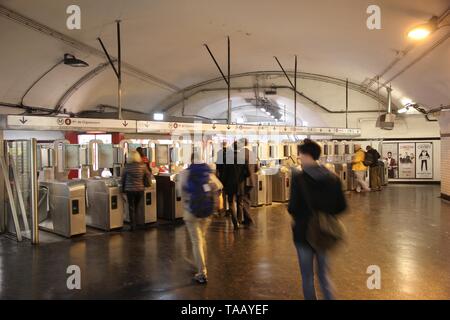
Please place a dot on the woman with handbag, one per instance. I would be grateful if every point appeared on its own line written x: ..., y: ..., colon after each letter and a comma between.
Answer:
x: 135, y: 178
x: 316, y: 199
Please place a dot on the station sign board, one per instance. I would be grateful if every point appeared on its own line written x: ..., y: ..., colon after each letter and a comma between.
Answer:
x: 69, y: 124
x: 133, y: 126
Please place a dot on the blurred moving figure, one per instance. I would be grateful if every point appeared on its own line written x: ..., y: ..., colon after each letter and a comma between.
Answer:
x: 199, y: 189
x: 316, y: 195
x: 374, y: 167
x: 231, y: 178
x: 143, y: 157
x: 359, y: 169
x: 135, y: 177
x: 247, y: 182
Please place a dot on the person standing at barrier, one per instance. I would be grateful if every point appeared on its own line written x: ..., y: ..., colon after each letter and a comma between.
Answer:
x: 372, y: 157
x: 247, y: 182
x: 143, y: 157
x: 199, y: 189
x: 315, y: 192
x: 359, y: 169
x: 232, y: 174
x: 135, y: 177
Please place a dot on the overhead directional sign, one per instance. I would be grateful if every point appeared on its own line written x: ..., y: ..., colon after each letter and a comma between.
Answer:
x: 158, y: 127
x: 69, y: 124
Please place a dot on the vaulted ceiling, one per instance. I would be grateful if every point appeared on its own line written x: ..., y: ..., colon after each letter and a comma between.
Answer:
x: 162, y: 46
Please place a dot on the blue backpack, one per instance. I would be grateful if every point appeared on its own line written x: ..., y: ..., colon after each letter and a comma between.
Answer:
x: 202, y: 191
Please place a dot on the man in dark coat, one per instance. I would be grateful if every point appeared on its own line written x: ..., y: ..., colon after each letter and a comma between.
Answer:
x: 231, y: 177
x: 374, y: 169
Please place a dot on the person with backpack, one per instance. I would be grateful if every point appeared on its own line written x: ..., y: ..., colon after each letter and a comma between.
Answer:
x: 199, y: 189
x: 359, y: 169
x: 316, y: 199
x: 371, y: 160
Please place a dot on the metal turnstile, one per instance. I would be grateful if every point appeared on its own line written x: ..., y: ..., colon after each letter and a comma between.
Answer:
x: 146, y: 211
x: 342, y: 172
x: 168, y: 201
x: 268, y: 173
x: 268, y: 189
x: 62, y: 207
x: 351, y: 185
x: 281, y: 186
x: 105, y: 204
x: 258, y: 195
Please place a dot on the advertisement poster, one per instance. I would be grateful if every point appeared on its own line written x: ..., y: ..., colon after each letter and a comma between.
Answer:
x: 424, y: 162
x: 390, y: 154
x: 407, y: 160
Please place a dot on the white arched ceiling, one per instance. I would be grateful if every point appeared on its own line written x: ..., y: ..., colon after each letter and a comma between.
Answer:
x: 164, y: 38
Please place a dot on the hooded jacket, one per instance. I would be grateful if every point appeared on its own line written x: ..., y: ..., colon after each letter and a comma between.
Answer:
x: 313, y: 189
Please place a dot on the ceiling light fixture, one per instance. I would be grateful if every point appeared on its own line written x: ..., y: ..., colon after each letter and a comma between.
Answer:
x: 70, y: 60
x: 158, y: 116
x: 423, y: 30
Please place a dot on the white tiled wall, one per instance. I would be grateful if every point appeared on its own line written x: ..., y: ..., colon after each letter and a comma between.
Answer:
x: 445, y: 165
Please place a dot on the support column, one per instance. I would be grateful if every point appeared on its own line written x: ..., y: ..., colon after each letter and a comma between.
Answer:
x: 444, y: 122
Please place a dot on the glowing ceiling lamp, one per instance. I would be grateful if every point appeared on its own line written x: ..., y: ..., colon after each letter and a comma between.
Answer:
x: 422, y: 31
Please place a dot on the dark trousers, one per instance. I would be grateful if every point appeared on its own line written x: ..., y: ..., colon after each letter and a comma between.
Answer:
x: 232, y: 199
x: 133, y: 197
x: 244, y: 203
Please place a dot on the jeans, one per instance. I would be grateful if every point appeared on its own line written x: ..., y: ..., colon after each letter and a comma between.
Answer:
x: 133, y: 197
x: 243, y: 210
x: 360, y: 180
x: 306, y: 256
x: 197, y: 232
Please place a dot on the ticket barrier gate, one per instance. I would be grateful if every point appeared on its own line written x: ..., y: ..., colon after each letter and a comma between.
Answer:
x: 268, y: 173
x: 62, y: 207
x: 104, y: 204
x: 168, y: 202
x: 146, y: 211
x: 342, y: 172
x: 281, y: 186
x: 258, y: 195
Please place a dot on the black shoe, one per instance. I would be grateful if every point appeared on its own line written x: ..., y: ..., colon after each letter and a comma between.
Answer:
x: 201, y: 278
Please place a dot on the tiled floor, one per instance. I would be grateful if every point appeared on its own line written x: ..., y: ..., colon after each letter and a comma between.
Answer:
x: 405, y: 230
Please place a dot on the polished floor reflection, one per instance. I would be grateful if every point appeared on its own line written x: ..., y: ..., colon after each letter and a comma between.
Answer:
x: 405, y: 230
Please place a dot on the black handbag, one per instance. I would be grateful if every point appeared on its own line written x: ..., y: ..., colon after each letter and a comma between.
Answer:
x: 324, y: 230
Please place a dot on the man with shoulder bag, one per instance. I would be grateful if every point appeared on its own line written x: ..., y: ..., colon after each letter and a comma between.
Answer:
x: 315, y: 202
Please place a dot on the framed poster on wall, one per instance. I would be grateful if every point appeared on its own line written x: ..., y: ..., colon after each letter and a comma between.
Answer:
x: 390, y: 154
x: 424, y: 162
x: 407, y: 160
